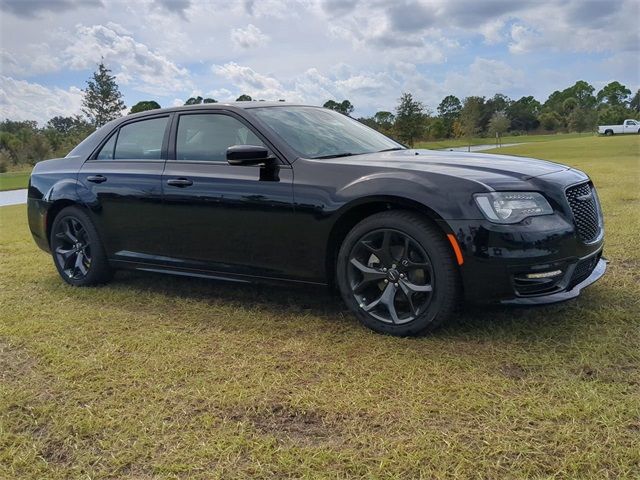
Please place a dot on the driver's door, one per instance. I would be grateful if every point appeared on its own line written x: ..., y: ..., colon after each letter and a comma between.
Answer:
x: 630, y: 127
x: 221, y: 217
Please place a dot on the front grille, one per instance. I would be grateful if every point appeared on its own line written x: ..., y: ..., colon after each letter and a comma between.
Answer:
x: 583, y: 205
x: 583, y: 270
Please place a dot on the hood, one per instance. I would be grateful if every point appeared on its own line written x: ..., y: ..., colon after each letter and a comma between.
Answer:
x: 481, y: 167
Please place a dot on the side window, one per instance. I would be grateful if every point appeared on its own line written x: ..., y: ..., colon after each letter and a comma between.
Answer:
x: 140, y: 140
x: 207, y: 137
x: 106, y: 152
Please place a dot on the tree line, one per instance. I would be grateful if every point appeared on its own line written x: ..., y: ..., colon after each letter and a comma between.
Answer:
x: 578, y: 108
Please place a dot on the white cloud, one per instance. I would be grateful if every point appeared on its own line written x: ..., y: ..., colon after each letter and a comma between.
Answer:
x: 134, y: 63
x: 313, y: 50
x: 22, y: 100
x: 485, y: 77
x: 258, y: 86
x: 250, y: 37
x: 35, y: 60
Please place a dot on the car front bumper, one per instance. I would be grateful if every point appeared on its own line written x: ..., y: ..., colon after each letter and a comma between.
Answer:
x: 567, y: 293
x: 542, y: 260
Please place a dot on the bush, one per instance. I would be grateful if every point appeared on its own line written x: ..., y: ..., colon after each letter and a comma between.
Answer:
x: 4, y: 162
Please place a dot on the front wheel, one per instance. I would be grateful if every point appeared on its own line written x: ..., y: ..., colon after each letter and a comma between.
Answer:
x: 77, y: 249
x: 396, y: 272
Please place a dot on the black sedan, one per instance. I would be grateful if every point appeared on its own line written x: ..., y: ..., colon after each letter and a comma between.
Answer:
x: 285, y: 193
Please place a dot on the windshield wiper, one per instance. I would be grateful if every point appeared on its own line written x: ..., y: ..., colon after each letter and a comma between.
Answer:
x: 391, y: 149
x: 336, y: 155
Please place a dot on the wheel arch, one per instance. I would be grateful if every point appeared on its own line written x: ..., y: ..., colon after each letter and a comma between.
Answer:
x: 56, y: 207
x: 355, y: 212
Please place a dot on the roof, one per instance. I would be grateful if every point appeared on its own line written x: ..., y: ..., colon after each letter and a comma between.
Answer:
x: 219, y: 105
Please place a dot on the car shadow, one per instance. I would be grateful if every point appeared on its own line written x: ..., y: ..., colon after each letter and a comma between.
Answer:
x: 527, y: 324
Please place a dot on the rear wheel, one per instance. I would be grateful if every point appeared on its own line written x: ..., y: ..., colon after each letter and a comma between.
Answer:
x: 77, y: 250
x: 609, y: 133
x: 396, y: 272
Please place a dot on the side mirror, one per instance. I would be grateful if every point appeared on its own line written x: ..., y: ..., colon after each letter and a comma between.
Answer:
x: 243, y: 155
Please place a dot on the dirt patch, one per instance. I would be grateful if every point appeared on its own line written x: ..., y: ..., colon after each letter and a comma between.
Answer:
x: 513, y: 371
x: 294, y: 426
x: 15, y: 363
x: 628, y: 374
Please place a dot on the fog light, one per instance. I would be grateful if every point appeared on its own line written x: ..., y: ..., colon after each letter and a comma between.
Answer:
x: 554, y: 273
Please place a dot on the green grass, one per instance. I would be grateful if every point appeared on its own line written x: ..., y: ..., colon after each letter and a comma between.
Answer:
x: 14, y: 180
x: 157, y: 377
x: 461, y: 142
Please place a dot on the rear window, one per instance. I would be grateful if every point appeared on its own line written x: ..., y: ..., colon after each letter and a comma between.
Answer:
x: 139, y: 140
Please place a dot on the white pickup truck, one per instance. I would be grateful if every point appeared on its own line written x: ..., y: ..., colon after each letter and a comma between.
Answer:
x: 628, y: 126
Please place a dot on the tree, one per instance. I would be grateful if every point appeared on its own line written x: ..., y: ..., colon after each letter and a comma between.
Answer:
x: 437, y: 128
x: 614, y: 94
x: 194, y: 100
x: 384, y: 120
x: 612, y: 115
x: 244, y: 98
x: 209, y: 100
x: 449, y: 111
x: 102, y: 100
x: 449, y: 107
x: 524, y: 113
x: 550, y: 121
x: 345, y: 107
x: 498, y: 103
x: 499, y: 124
x: 634, y: 104
x: 583, y: 93
x: 470, y: 117
x: 582, y: 120
x: 65, y: 125
x: 409, y: 119
x: 64, y: 133
x: 569, y: 105
x: 144, y: 105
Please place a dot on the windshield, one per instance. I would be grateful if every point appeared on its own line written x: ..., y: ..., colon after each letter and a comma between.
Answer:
x: 321, y: 133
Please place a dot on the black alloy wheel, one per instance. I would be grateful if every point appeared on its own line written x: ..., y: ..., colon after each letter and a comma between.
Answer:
x: 396, y: 272
x: 77, y: 250
x: 72, y: 248
x: 390, y: 276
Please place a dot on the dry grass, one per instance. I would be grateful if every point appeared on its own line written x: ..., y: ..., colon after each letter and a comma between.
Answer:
x: 155, y: 377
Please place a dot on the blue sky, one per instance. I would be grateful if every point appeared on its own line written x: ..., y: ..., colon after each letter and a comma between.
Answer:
x: 310, y: 50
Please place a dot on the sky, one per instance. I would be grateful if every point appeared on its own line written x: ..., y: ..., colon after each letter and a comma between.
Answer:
x: 310, y: 51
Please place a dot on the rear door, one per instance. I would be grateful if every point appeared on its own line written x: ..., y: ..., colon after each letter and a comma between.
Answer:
x: 121, y: 184
x: 234, y: 219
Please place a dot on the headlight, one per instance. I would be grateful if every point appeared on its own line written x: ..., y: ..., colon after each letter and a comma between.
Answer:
x: 512, y: 207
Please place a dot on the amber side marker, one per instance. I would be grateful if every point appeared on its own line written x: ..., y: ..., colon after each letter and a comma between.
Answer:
x: 456, y: 248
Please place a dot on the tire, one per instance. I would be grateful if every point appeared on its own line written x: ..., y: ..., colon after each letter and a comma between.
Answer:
x: 77, y: 251
x: 418, y: 257
x: 609, y: 133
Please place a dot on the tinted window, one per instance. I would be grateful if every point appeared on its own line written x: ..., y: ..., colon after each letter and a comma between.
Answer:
x: 140, y: 140
x: 318, y: 132
x: 106, y: 153
x: 207, y: 137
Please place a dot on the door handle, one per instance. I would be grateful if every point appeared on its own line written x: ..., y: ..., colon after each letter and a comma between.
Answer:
x: 180, y: 182
x: 96, y: 178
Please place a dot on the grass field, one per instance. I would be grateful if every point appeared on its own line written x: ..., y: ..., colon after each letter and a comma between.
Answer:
x: 461, y: 142
x: 14, y: 180
x: 156, y: 377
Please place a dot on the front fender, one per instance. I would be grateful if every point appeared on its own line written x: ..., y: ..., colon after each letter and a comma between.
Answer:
x: 446, y: 197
